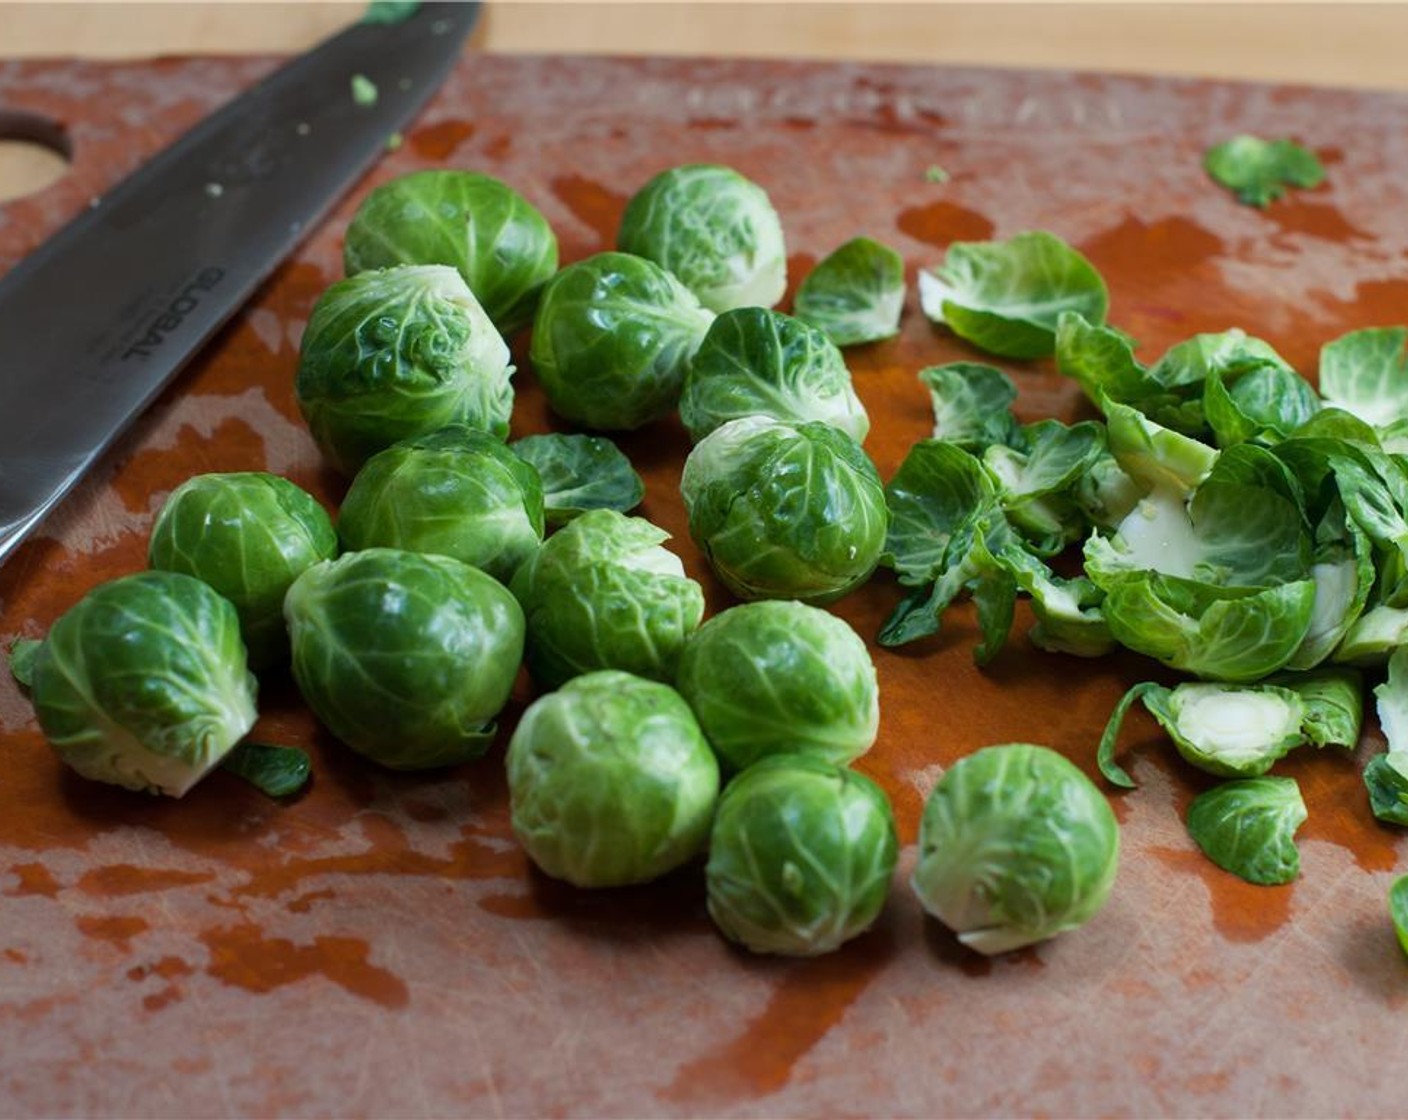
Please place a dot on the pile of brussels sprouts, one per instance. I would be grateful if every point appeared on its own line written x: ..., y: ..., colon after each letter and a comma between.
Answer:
x: 655, y: 737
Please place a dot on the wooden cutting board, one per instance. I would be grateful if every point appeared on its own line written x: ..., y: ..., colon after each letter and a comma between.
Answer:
x: 381, y: 947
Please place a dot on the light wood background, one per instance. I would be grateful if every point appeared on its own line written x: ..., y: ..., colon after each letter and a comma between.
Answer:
x: 1359, y: 44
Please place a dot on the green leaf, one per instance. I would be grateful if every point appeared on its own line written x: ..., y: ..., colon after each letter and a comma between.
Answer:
x: 1233, y: 731
x: 390, y: 11
x: 277, y: 771
x: 1259, y: 171
x: 22, y: 657
x: 855, y: 294
x: 1006, y: 297
x: 1365, y: 373
x: 1391, y: 700
x: 972, y: 404
x: 580, y: 473
x: 939, y: 492
x: 1334, y: 705
x: 1109, y: 739
x: 1248, y: 827
x: 1386, y: 779
x: 1398, y: 909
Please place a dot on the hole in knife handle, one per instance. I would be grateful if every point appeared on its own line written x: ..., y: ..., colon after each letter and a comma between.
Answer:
x: 34, y: 153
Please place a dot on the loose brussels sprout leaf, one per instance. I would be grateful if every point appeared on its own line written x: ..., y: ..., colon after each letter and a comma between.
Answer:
x: 756, y: 362
x: 1365, y: 373
x: 580, y: 473
x: 1069, y: 615
x: 1228, y: 354
x: 390, y: 11
x: 487, y: 231
x: 1334, y: 705
x: 1105, y: 494
x: 396, y: 353
x: 610, y: 781
x: 1016, y: 845
x: 1228, y: 535
x: 1231, y: 634
x: 454, y: 492
x: 785, y: 511
x: 1006, y: 297
x: 612, y: 338
x: 995, y: 596
x: 602, y: 593
x: 1391, y: 701
x: 779, y: 677
x: 406, y: 657
x: 1100, y: 359
x: 715, y: 230
x: 855, y: 294
x: 800, y: 856
x: 1233, y: 731
x: 23, y: 654
x: 938, y: 493
x: 1109, y: 739
x: 143, y: 683
x: 1335, y: 423
x: 1248, y: 827
x: 1258, y: 171
x: 947, y: 530
x: 1398, y: 909
x: 249, y: 535
x: 1035, y: 484
x: 972, y: 404
x: 1374, y: 635
x: 277, y: 771
x: 1152, y: 455
x: 1386, y: 779
x: 1266, y: 404
x: 1374, y: 490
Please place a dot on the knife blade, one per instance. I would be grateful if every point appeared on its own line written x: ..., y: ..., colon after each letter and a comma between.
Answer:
x: 100, y: 318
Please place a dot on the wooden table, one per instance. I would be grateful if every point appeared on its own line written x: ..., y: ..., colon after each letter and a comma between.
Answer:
x: 380, y: 946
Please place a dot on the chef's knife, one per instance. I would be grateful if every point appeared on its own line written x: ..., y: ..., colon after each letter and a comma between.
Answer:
x: 100, y: 317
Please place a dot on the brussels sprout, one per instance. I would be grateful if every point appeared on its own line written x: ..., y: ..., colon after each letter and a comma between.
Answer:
x: 580, y: 472
x: 781, y: 678
x: 143, y: 682
x: 405, y: 657
x: 249, y: 535
x: 1248, y: 827
x: 800, y: 856
x: 855, y: 293
x: 785, y: 511
x: 610, y: 781
x: 602, y: 593
x: 715, y: 230
x: 612, y: 338
x: 1016, y: 845
x: 755, y: 362
x: 457, y: 492
x: 396, y: 353
x: 500, y: 244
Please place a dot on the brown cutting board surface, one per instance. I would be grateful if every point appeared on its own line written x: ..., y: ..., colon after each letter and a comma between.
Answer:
x: 381, y: 947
